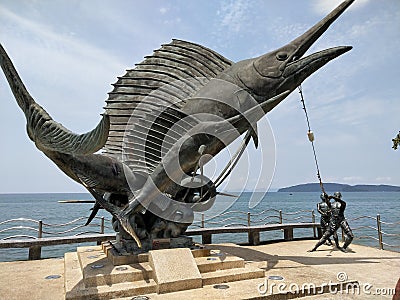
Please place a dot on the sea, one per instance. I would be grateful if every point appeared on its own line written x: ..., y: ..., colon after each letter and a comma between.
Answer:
x: 234, y: 210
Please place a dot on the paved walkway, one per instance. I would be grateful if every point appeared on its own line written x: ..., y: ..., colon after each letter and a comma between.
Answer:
x: 377, y: 272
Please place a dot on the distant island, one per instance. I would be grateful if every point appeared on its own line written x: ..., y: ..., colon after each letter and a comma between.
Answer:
x: 338, y: 187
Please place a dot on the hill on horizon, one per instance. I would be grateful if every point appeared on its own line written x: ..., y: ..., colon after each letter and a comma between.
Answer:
x: 339, y: 187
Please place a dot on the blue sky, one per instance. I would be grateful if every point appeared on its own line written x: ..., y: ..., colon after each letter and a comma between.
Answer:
x: 69, y: 52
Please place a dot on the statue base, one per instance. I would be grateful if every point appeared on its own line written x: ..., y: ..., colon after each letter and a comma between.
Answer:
x: 129, y: 246
x: 91, y: 274
x: 122, y: 252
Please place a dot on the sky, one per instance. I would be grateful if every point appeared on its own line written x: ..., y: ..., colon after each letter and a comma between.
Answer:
x: 68, y: 54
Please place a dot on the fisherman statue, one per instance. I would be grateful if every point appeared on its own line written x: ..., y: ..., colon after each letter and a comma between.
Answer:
x: 324, y: 209
x: 163, y: 120
x: 337, y: 221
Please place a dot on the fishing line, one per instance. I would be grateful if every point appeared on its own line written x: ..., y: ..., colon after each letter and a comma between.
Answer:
x: 311, y: 138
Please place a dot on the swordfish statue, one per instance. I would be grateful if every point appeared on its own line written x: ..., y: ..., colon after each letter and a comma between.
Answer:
x: 163, y: 121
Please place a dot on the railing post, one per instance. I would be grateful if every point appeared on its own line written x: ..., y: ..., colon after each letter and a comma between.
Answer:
x: 288, y: 234
x: 280, y: 217
x: 40, y: 229
x: 206, y: 238
x: 379, y: 226
x: 202, y: 220
x: 101, y: 229
x: 35, y: 252
x: 313, y: 220
x: 102, y: 225
x: 253, y: 235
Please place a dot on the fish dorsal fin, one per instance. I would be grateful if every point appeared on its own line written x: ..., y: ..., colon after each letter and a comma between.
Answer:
x: 172, y: 74
x: 151, y: 133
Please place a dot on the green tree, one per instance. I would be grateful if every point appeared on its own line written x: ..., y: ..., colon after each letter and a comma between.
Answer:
x: 396, y: 141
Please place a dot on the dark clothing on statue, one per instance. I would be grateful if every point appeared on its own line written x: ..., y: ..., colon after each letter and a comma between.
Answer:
x: 337, y: 220
x: 324, y: 223
x: 325, y: 211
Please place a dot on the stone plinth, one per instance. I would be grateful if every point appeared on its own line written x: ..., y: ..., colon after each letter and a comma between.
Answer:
x: 174, y: 270
x: 101, y: 272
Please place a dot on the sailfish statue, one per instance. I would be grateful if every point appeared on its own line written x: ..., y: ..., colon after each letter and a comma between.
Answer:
x: 163, y: 121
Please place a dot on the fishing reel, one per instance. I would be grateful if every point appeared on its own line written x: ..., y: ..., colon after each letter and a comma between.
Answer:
x: 199, y: 191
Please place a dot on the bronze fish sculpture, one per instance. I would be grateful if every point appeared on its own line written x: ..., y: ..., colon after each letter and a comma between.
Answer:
x: 181, y: 104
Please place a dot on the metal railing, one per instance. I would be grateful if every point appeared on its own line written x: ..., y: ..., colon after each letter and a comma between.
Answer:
x: 46, y: 234
x: 265, y: 217
x: 376, y: 229
x: 44, y: 229
x: 235, y: 221
x: 375, y: 225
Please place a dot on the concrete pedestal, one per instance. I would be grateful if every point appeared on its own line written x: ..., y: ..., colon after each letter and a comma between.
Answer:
x: 101, y: 273
x: 174, y: 270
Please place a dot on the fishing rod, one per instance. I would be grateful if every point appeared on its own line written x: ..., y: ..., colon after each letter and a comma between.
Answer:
x: 311, y: 138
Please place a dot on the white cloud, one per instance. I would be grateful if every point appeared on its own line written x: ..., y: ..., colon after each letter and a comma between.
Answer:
x: 47, y: 36
x: 351, y: 111
x: 287, y: 32
x: 61, y: 70
x: 353, y: 179
x: 174, y: 21
x: 324, y: 7
x: 233, y: 15
x: 385, y: 179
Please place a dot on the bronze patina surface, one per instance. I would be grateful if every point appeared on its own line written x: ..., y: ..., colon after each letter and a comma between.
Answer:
x: 163, y: 121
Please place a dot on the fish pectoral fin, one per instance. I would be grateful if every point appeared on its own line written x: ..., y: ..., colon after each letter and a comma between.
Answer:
x: 95, y: 210
x: 123, y: 218
x: 254, y: 134
x: 122, y: 215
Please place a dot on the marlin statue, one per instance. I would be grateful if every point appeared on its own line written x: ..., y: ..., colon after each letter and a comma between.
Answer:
x: 164, y: 120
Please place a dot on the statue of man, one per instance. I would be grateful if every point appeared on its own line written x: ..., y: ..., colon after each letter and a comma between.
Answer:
x: 337, y: 220
x: 324, y: 209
